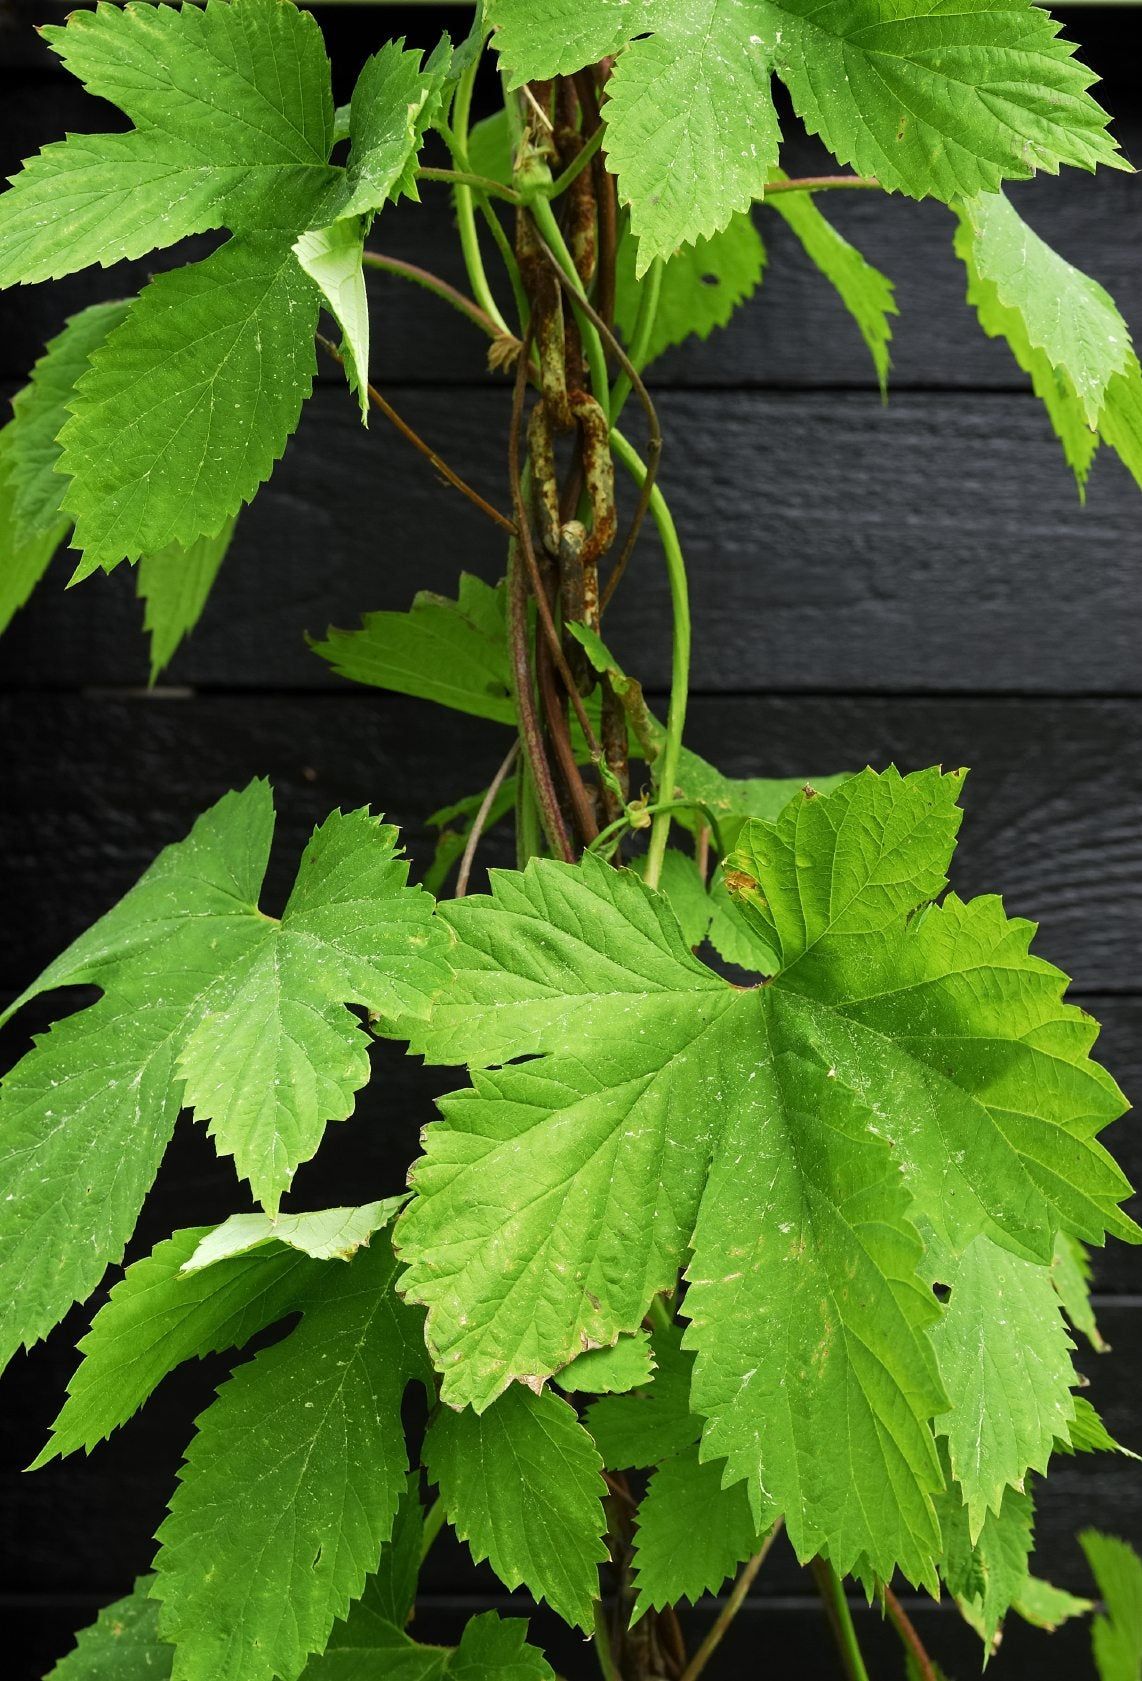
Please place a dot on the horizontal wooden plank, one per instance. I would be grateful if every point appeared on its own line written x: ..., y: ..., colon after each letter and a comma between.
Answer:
x: 933, y: 545
x: 1052, y: 802
x: 795, y: 334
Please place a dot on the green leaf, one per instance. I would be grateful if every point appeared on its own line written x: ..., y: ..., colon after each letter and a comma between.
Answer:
x: 122, y: 1644
x: 393, y: 102
x: 202, y: 993
x: 635, y: 1431
x: 1047, y: 1607
x: 174, y: 583
x: 682, y: 883
x: 223, y: 351
x: 310, y: 1428
x: 1088, y: 1434
x: 452, y: 652
x: 988, y: 1572
x: 1070, y: 1274
x: 1065, y: 314
x: 1116, y: 1633
x: 627, y: 1364
x: 692, y: 1533
x: 40, y: 411
x: 701, y: 285
x: 332, y: 258
x: 156, y: 1318
x: 865, y: 292
x: 1010, y: 1393
x: 520, y: 1483
x: 23, y: 560
x: 494, y: 1648
x: 234, y: 121
x: 903, y: 1063
x: 333, y: 1234
x: 931, y: 101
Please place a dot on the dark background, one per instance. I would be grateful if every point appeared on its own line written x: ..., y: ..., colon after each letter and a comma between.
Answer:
x: 915, y: 583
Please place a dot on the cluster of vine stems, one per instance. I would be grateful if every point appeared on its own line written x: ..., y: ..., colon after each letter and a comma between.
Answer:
x: 561, y: 269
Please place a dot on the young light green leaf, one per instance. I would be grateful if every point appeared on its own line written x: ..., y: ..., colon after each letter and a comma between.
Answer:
x: 1070, y: 1274
x: 636, y: 1431
x: 156, y: 1318
x: 930, y: 102
x: 521, y: 1484
x: 233, y: 117
x: 1116, y: 1633
x: 452, y: 652
x: 865, y: 292
x: 393, y: 102
x: 193, y: 972
x: 626, y: 1365
x: 310, y: 1428
x: 1045, y: 1606
x: 23, y: 560
x: 122, y: 1644
x: 331, y: 257
x: 700, y: 288
x: 42, y: 408
x: 786, y: 1133
x: 987, y: 1572
x: 1065, y: 314
x: 1010, y: 1393
x: 332, y: 1234
x: 223, y: 350
x: 174, y: 584
x: 692, y: 1533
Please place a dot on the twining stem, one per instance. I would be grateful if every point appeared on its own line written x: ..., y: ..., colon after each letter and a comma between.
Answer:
x: 627, y: 821
x: 480, y: 820
x: 819, y: 184
x: 530, y: 731
x: 415, y: 439
x: 465, y: 178
x: 832, y: 1592
x: 640, y: 342
x: 592, y: 344
x: 434, y: 284
x: 465, y: 203
x: 603, y: 1644
x: 904, y: 1627
x: 680, y: 654
x: 731, y: 1608
x: 578, y: 165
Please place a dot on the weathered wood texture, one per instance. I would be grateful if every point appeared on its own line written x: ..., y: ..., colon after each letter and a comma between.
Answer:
x: 915, y: 583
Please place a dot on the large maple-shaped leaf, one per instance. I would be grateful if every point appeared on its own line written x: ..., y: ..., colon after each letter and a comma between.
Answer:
x: 291, y: 1484
x: 234, y: 126
x: 900, y: 1060
x: 933, y: 98
x: 521, y: 1484
x: 210, y: 1003
x: 190, y: 402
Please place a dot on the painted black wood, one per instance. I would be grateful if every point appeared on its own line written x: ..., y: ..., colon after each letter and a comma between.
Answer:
x: 916, y: 583
x: 936, y: 544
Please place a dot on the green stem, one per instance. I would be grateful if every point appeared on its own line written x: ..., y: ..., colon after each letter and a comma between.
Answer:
x: 832, y: 1592
x: 528, y: 831
x: 465, y: 202
x: 680, y: 661
x: 592, y: 344
x: 626, y: 821
x: 433, y: 1524
x: 586, y: 153
x: 649, y: 293
x: 465, y: 178
x: 820, y: 184
x: 433, y: 283
x: 603, y: 1645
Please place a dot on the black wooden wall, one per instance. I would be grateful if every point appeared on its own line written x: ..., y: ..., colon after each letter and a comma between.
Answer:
x: 915, y: 583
